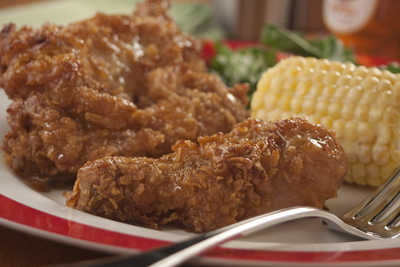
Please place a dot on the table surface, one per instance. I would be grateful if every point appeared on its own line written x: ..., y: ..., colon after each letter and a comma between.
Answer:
x: 18, y: 249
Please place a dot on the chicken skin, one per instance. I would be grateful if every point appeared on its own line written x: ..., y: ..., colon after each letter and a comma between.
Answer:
x: 256, y: 168
x: 112, y: 85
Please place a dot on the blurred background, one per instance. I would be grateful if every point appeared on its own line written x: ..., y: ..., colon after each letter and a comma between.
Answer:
x: 243, y: 19
x: 237, y: 19
x: 367, y: 27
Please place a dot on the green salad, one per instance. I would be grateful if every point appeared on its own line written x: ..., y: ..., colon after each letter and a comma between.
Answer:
x: 247, y: 64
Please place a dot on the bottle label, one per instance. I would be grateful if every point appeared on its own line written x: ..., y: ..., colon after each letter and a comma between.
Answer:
x: 348, y: 16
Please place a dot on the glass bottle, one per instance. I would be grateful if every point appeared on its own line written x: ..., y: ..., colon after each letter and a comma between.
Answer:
x: 368, y: 27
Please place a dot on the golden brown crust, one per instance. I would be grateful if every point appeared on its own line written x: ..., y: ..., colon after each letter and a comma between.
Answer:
x: 112, y: 85
x: 256, y: 168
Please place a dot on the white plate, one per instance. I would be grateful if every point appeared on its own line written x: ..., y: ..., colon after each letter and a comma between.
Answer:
x: 301, y: 243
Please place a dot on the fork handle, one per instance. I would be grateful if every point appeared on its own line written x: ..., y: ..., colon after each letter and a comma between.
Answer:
x: 178, y: 253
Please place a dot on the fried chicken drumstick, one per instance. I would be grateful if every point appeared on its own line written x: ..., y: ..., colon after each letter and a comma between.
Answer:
x: 256, y: 168
x: 112, y: 85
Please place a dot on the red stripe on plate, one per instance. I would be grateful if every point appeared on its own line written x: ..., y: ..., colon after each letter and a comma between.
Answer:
x: 359, y: 256
x: 19, y: 213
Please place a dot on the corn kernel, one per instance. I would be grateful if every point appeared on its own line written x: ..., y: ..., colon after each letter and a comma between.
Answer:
x: 327, y: 122
x: 306, y: 73
x: 341, y: 92
x: 310, y: 63
x: 337, y: 66
x: 355, y: 94
x: 387, y: 170
x: 364, y: 153
x: 284, y: 102
x: 302, y: 88
x: 322, y: 64
x: 380, y: 155
x: 394, y: 152
x: 339, y: 127
x: 344, y: 79
x: 362, y: 105
x: 350, y: 68
x: 366, y: 132
x: 296, y: 105
x: 262, y: 114
x: 361, y: 71
x: 334, y: 110
x: 328, y: 91
x: 270, y: 100
x: 391, y: 115
x: 374, y: 72
x: 376, y: 113
x: 314, y: 119
x: 389, y: 76
x: 277, y: 83
x: 362, y: 113
x: 263, y: 83
x: 275, y: 72
x: 289, y: 86
x: 385, y: 98
x: 318, y: 76
x: 372, y: 169
x: 369, y: 82
x: 351, y: 130
x: 292, y: 71
x: 369, y: 96
x: 396, y: 93
x: 274, y: 115
x: 322, y: 108
x: 355, y: 80
x: 384, y: 85
x: 331, y: 77
x: 297, y: 61
x: 315, y: 91
x: 395, y: 134
x: 285, y: 115
x: 348, y: 111
x: 308, y: 106
x: 283, y: 64
x: 383, y: 134
x: 257, y: 101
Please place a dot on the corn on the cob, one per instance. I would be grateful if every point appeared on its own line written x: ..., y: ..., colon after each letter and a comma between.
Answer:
x: 361, y: 104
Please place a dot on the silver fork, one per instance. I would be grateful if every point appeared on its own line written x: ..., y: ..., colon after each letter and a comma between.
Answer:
x: 377, y: 217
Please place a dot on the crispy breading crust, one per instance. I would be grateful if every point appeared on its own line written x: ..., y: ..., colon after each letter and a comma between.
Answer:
x: 256, y: 168
x: 112, y: 85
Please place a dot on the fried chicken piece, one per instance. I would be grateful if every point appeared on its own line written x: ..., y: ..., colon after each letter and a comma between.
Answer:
x: 112, y: 85
x: 256, y: 168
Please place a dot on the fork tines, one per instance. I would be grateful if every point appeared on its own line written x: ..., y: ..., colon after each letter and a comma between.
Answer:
x: 379, y: 213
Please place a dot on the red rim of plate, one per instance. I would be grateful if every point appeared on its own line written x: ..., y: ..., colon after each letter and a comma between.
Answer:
x: 21, y: 214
